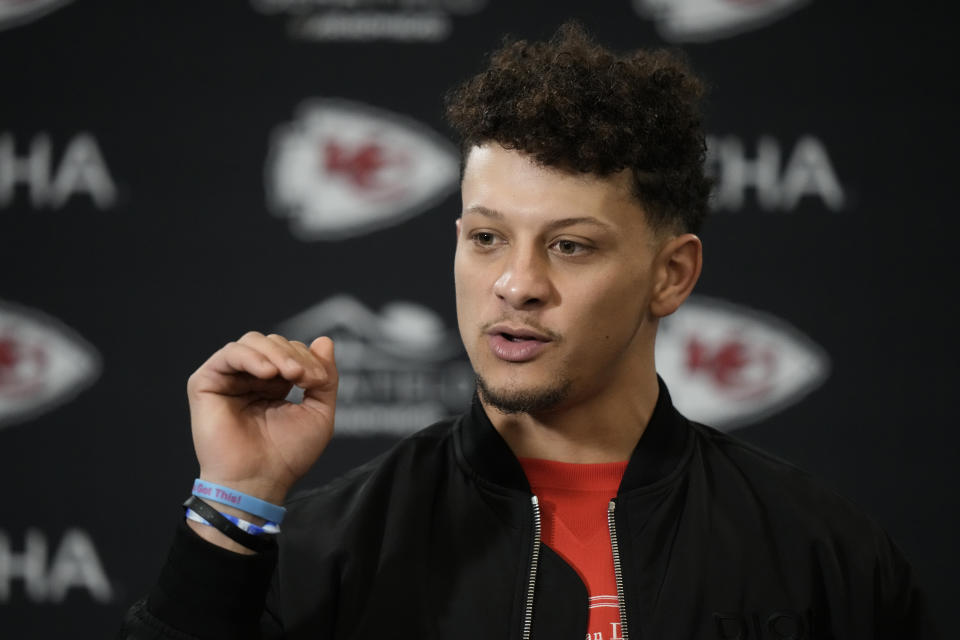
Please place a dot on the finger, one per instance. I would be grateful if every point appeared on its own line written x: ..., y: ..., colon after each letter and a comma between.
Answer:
x: 233, y: 370
x: 312, y: 371
x: 296, y: 350
x: 244, y: 384
x: 276, y: 349
x: 236, y: 358
x: 325, y: 365
x: 301, y: 349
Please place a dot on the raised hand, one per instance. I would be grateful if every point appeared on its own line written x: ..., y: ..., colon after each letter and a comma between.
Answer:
x: 246, y: 434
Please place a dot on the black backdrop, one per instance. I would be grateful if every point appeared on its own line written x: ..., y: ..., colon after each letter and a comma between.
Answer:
x: 147, y: 217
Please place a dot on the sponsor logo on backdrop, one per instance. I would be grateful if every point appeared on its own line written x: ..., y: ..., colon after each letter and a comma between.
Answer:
x: 706, y: 20
x: 728, y: 366
x: 43, y: 363
x: 49, y: 180
x: 17, y: 12
x: 342, y: 168
x: 777, y: 176
x: 401, y: 368
x: 369, y: 20
x: 47, y: 570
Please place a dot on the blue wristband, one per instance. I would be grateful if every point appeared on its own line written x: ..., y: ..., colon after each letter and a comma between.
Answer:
x: 224, y: 495
x: 268, y: 528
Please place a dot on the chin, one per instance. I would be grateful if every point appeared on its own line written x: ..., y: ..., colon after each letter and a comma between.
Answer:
x: 511, y: 398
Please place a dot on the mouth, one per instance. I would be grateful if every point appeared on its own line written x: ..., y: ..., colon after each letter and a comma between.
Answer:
x: 518, y: 334
x: 516, y: 344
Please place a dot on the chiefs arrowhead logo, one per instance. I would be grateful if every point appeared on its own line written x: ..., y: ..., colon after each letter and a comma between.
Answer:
x: 42, y: 363
x: 728, y: 366
x: 342, y: 169
x: 705, y: 20
x: 17, y: 12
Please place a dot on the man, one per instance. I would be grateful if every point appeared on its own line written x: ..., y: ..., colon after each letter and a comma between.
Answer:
x: 572, y: 500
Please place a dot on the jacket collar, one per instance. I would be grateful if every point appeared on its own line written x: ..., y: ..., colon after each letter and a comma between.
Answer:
x: 658, y: 452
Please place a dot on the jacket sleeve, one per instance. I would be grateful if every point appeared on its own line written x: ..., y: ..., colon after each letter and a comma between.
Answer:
x: 205, y: 592
x: 902, y: 608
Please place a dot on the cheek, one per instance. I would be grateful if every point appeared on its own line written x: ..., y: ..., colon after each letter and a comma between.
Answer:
x: 467, y: 292
x: 469, y: 277
x: 609, y: 308
x: 459, y: 271
x: 459, y: 281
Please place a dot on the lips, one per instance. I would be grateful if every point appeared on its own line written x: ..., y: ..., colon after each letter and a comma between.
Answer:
x: 516, y: 344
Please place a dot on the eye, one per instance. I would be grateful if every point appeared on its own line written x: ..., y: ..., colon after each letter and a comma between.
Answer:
x: 570, y: 247
x: 484, y: 238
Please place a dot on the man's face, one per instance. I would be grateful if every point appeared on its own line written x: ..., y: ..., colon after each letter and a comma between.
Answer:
x: 553, y: 281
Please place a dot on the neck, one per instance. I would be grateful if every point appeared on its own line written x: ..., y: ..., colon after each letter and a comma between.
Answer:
x: 602, y: 428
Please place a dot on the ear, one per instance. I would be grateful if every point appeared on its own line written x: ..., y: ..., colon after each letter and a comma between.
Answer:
x: 458, y: 230
x: 676, y: 271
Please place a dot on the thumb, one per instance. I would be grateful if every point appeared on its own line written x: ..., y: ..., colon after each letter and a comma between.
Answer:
x: 322, y: 347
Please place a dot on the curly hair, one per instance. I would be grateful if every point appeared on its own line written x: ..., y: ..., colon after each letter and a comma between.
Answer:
x: 574, y: 105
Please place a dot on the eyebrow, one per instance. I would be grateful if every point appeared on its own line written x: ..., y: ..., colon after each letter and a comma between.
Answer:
x: 553, y: 224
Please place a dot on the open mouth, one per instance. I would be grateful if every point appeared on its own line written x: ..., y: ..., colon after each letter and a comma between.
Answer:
x: 517, y: 347
x: 513, y: 338
x: 521, y: 334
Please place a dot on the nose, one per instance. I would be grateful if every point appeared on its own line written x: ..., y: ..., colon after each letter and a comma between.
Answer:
x: 524, y: 282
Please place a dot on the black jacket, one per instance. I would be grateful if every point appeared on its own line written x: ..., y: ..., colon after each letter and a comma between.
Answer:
x: 438, y: 539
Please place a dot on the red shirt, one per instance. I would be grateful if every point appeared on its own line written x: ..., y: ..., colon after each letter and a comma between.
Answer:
x: 574, y: 499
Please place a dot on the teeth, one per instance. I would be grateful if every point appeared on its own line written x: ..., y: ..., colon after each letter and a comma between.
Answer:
x: 508, y: 336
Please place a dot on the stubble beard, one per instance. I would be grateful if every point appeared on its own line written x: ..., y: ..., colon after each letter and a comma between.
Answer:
x: 518, y: 400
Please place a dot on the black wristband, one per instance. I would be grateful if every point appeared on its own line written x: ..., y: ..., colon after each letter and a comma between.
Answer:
x: 227, y: 528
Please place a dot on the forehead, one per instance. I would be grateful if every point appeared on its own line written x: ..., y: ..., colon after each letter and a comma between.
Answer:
x: 510, y: 182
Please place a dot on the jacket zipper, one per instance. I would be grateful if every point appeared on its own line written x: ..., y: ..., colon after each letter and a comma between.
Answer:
x: 534, y: 560
x: 617, y: 572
